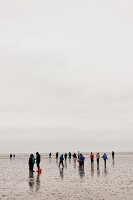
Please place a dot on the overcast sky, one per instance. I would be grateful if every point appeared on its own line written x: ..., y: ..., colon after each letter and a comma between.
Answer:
x: 66, y: 75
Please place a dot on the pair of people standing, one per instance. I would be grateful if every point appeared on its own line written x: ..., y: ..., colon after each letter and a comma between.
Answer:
x: 32, y: 160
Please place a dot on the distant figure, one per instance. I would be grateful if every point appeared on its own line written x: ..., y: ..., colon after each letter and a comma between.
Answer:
x: 74, y: 156
x: 49, y: 155
x: 92, y: 158
x: 65, y: 155
x: 81, y: 160
x: 61, y: 160
x: 38, y: 160
x: 10, y: 156
x: 97, y: 158
x: 69, y: 155
x: 14, y: 155
x: 113, y: 154
x: 105, y: 158
x: 31, y: 163
x: 57, y: 154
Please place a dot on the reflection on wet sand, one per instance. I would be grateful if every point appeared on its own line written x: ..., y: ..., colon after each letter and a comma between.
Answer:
x: 49, y: 160
x: 74, y: 163
x: 113, y: 162
x: 105, y: 170
x: 69, y: 161
x: 32, y: 181
x: 57, y: 161
x: 98, y: 171
x: 65, y: 164
x: 38, y: 182
x: 81, y: 172
x: 61, y: 171
x: 92, y: 170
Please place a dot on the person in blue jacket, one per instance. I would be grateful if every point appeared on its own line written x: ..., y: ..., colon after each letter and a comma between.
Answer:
x: 104, y: 157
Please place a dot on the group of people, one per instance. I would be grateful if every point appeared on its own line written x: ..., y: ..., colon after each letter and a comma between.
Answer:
x: 80, y: 158
x: 33, y: 160
x: 12, y: 156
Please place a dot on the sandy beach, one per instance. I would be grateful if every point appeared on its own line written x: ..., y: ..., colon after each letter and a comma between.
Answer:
x: 114, y: 182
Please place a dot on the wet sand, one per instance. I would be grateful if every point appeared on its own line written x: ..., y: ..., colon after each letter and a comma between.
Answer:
x: 114, y: 182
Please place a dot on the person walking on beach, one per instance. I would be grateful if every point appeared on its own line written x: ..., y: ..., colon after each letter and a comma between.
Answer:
x: 92, y: 158
x: 38, y: 160
x: 97, y: 158
x: 61, y: 160
x: 113, y: 155
x: 104, y: 157
x: 69, y: 155
x: 81, y: 160
x: 65, y: 156
x: 10, y: 156
x: 57, y: 154
x: 74, y: 156
x: 31, y: 163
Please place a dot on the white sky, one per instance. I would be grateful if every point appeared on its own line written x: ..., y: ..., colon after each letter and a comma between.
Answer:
x: 66, y: 71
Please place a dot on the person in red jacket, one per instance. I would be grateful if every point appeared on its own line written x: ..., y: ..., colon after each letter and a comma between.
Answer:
x: 92, y: 157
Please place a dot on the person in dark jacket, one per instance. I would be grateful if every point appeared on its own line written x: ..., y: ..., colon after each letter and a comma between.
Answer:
x: 57, y: 154
x: 74, y: 156
x: 69, y: 155
x: 31, y: 162
x: 113, y: 155
x: 61, y: 160
x: 65, y: 155
x: 50, y: 155
x: 38, y: 160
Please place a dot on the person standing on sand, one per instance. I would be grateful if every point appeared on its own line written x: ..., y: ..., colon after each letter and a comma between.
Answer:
x: 61, y: 160
x: 50, y: 155
x: 74, y: 156
x: 113, y: 155
x: 92, y: 158
x: 57, y: 154
x: 104, y: 157
x: 81, y: 160
x: 38, y: 160
x: 65, y: 155
x: 31, y: 163
x: 10, y: 156
x: 69, y: 155
x: 97, y: 158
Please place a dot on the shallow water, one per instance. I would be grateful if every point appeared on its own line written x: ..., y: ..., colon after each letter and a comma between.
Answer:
x: 114, y: 182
